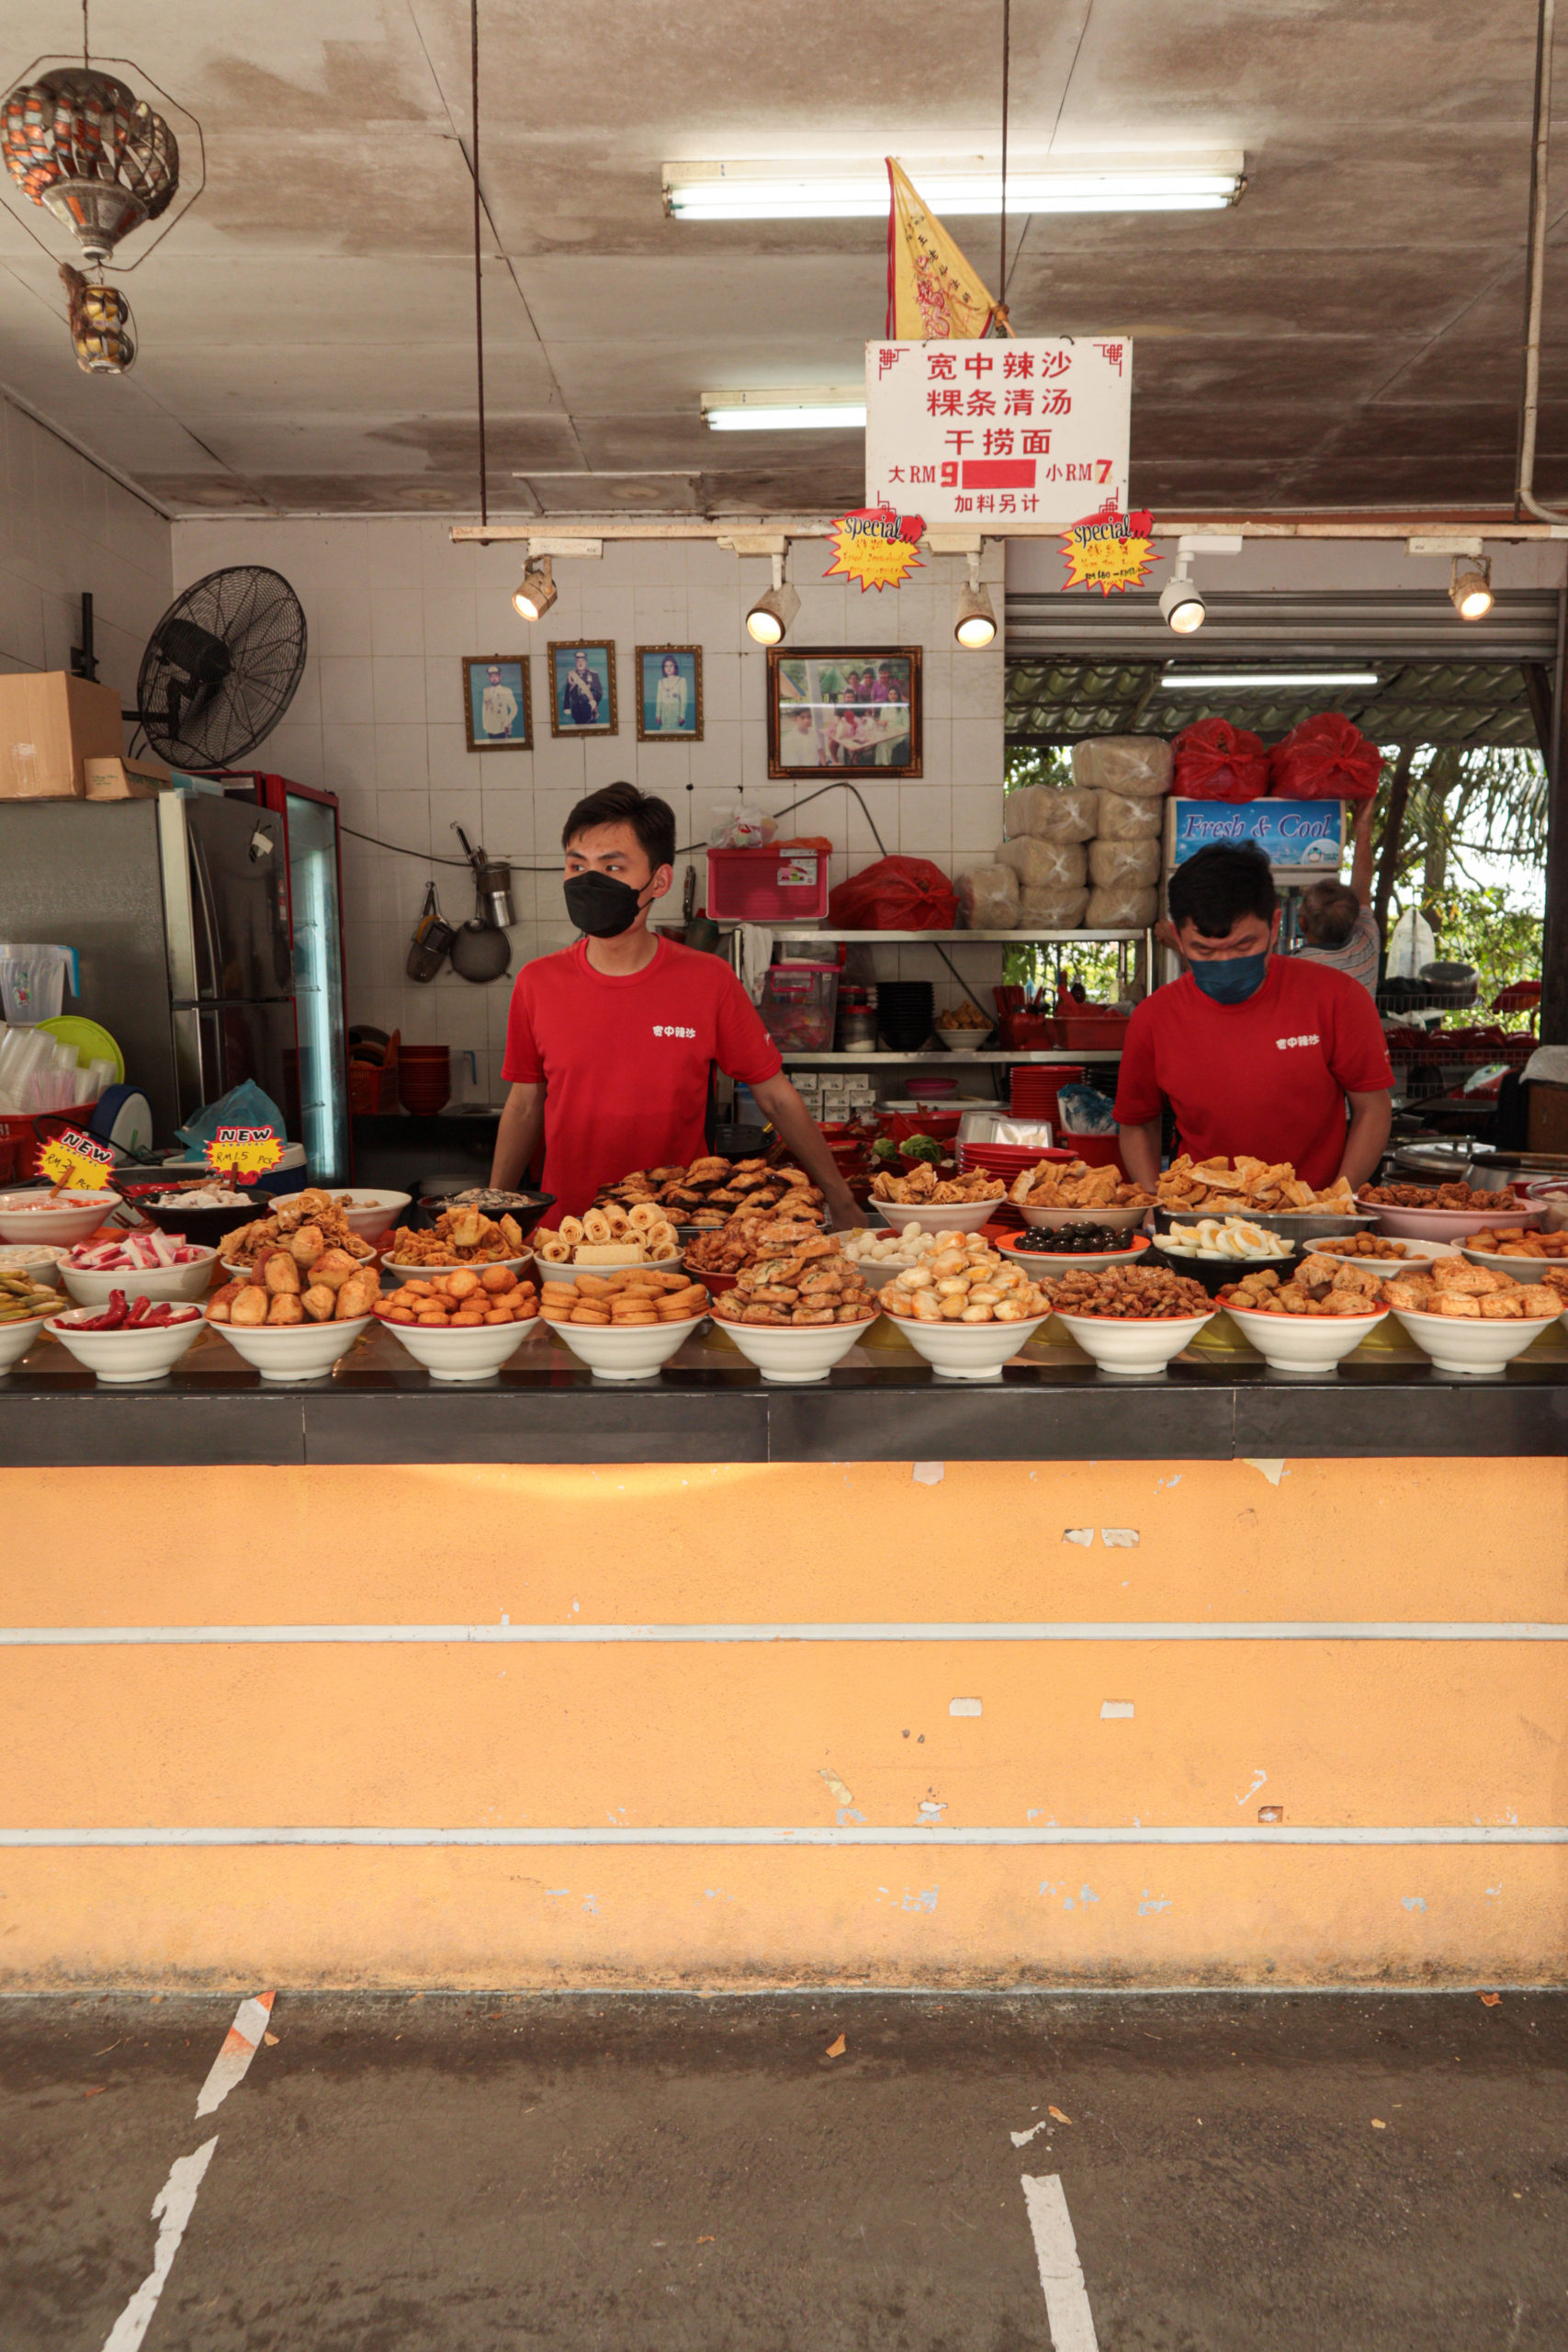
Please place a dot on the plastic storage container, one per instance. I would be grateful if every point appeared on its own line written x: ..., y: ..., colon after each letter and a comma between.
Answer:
x: 773, y: 885
x: 799, y: 1002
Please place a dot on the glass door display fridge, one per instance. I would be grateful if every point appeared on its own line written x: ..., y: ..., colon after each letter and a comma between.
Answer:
x: 314, y: 880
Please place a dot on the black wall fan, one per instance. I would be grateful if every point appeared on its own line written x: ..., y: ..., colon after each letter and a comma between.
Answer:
x: 220, y: 668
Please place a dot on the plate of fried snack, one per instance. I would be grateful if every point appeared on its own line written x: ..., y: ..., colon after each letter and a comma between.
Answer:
x: 300, y: 1307
x: 1471, y: 1318
x: 1058, y: 1192
x: 966, y: 1309
x: 882, y: 1255
x: 1130, y: 1320
x: 461, y: 1325
x: 797, y: 1305
x: 458, y: 1237
x: 1447, y: 1212
x: 958, y: 1204
x: 1270, y: 1192
x: 709, y: 1191
x: 605, y: 1238
x: 625, y: 1325
x: 312, y: 1209
x: 1382, y: 1250
x: 1528, y: 1256
x: 26, y: 1304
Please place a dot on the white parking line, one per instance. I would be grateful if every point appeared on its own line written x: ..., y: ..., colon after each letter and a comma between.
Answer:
x: 1061, y: 2273
x: 172, y: 2209
x: 244, y: 2040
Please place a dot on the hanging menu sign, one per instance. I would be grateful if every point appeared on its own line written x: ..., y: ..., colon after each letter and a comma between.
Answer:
x: 1005, y: 431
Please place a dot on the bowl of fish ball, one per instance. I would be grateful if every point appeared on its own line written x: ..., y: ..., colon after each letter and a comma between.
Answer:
x: 625, y: 1326
x: 461, y: 1325
x: 1057, y: 1250
x: 1132, y: 1321
x: 965, y: 1309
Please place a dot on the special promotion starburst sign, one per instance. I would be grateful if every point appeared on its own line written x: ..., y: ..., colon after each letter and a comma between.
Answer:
x: 875, y: 547
x: 1109, y: 550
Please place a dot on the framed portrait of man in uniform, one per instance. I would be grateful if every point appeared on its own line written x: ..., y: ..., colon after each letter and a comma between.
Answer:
x: 583, y: 689
x: 496, y: 709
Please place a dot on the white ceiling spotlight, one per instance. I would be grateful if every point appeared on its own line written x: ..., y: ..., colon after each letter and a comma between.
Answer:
x: 1469, y: 572
x: 536, y: 591
x: 773, y: 611
x: 795, y: 408
x: 974, y: 622
x: 818, y: 188
x: 1181, y: 605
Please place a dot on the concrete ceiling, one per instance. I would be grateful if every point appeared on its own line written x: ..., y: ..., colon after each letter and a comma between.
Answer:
x: 1347, y: 336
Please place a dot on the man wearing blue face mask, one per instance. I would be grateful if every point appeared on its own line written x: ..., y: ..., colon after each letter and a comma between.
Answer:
x: 1255, y: 1053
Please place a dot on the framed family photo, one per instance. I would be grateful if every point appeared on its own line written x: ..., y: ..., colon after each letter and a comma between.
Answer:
x: 496, y: 709
x: 583, y: 688
x: 669, y: 693
x: 830, y: 706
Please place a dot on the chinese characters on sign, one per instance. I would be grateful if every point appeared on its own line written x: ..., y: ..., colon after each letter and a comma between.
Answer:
x: 243, y: 1153
x: 75, y: 1162
x: 1110, y: 551
x: 1024, y: 432
x: 875, y: 547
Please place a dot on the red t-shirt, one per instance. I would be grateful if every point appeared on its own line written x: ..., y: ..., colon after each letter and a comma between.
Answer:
x: 626, y: 1062
x: 1268, y: 1077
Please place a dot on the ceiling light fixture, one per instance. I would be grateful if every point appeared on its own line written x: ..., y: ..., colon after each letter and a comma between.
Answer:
x: 1470, y: 586
x: 771, y: 614
x: 1180, y: 605
x: 834, y: 408
x: 974, y: 622
x: 536, y: 591
x: 1263, y: 681
x: 834, y: 191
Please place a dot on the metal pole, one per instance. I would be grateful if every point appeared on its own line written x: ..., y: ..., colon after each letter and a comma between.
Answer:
x: 1536, y: 266
x: 1002, y: 265
x: 479, y: 274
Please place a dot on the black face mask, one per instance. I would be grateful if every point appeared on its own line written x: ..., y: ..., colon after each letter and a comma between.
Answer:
x: 601, y: 906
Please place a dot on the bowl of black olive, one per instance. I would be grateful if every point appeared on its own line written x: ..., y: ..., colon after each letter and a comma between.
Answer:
x: 1056, y: 1248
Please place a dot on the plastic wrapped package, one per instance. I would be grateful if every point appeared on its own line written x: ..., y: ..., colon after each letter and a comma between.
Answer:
x: 1216, y: 761
x: 1137, y: 766
x: 987, y: 898
x: 1111, y: 863
x: 1051, y: 910
x: 1120, y: 819
x: 1045, y: 865
x: 895, y: 894
x: 1122, y: 905
x: 1051, y: 812
x: 1325, y: 758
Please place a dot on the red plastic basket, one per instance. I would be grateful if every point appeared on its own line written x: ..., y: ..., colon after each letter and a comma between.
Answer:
x: 773, y: 885
x: 20, y: 1129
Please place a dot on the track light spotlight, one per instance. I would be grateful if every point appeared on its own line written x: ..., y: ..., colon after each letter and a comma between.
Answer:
x: 771, y: 614
x: 1470, y: 588
x: 536, y: 591
x: 1180, y: 605
x: 974, y: 622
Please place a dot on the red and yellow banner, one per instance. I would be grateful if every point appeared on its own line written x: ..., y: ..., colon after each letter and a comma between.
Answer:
x: 1109, y: 550
x: 875, y: 547
x: 933, y: 294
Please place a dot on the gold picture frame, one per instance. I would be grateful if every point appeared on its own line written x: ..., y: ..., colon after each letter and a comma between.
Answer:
x: 598, y: 666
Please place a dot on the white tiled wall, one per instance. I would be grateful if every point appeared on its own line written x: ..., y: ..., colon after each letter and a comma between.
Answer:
x: 64, y: 526
x: 392, y: 607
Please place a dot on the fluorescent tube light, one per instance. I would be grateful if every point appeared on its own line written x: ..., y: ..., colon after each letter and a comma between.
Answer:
x: 1263, y: 681
x: 833, y: 408
x: 830, y: 191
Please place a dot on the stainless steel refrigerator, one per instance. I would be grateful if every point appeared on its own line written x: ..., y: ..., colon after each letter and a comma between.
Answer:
x: 178, y: 910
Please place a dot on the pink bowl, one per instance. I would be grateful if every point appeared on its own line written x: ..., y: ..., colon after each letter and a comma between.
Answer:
x: 1449, y: 1225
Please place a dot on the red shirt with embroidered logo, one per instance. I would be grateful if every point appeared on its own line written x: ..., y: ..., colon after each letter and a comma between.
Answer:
x: 1268, y: 1077
x: 626, y: 1063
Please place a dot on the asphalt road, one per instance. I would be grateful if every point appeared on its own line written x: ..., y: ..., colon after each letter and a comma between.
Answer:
x: 457, y: 2174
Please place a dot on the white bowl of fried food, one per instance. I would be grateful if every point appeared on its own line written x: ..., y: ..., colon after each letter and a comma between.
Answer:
x: 625, y: 1326
x: 314, y: 1214
x: 295, y: 1312
x: 458, y: 1237
x: 937, y: 1205
x: 1131, y: 1321
x: 968, y: 1312
x: 608, y: 1239
x: 1313, y: 1319
x: 368, y: 1213
x: 42, y: 1214
x: 1472, y: 1319
x: 1527, y: 1257
x: 463, y: 1325
x: 1057, y: 1192
x: 1386, y: 1253
x: 797, y: 1305
x: 882, y: 1256
x: 1274, y: 1196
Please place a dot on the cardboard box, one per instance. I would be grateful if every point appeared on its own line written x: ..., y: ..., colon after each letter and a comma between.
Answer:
x: 124, y: 779
x: 51, y: 723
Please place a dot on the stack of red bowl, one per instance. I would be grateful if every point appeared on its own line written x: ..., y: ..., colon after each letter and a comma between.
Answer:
x: 424, y: 1078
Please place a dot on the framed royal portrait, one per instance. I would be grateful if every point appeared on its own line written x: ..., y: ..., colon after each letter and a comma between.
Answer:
x: 496, y: 708
x: 831, y: 707
x: 669, y: 693
x: 583, y: 688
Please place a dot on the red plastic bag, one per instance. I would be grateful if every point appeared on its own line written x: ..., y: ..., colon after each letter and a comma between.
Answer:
x: 1325, y: 758
x: 896, y: 894
x: 1216, y: 761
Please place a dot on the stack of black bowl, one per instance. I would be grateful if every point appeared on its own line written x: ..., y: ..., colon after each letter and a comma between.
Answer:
x: 904, y: 1012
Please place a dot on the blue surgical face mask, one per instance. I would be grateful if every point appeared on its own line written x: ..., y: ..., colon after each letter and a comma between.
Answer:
x: 1233, y: 979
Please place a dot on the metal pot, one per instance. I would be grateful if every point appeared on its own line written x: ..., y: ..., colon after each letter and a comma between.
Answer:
x: 493, y: 878
x: 480, y: 953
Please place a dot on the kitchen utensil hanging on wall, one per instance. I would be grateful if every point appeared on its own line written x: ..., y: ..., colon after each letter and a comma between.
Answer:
x: 481, y: 951
x: 432, y: 941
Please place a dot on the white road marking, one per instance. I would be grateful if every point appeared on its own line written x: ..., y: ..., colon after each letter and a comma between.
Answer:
x: 803, y: 1834
x: 244, y: 2040
x: 172, y: 2209
x: 897, y: 1630
x: 1061, y: 2273
x: 1022, y: 2138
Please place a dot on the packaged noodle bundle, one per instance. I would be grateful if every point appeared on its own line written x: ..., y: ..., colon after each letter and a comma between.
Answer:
x: 1120, y: 819
x: 987, y: 898
x: 1052, y: 812
x: 1122, y: 905
x: 1051, y: 910
x: 1111, y: 862
x: 1137, y: 766
x: 1045, y: 865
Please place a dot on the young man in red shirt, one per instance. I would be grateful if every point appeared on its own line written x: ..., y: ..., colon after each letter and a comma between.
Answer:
x: 610, y: 1043
x: 1255, y: 1052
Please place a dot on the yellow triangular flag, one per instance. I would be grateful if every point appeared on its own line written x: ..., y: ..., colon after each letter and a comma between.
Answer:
x: 933, y: 294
